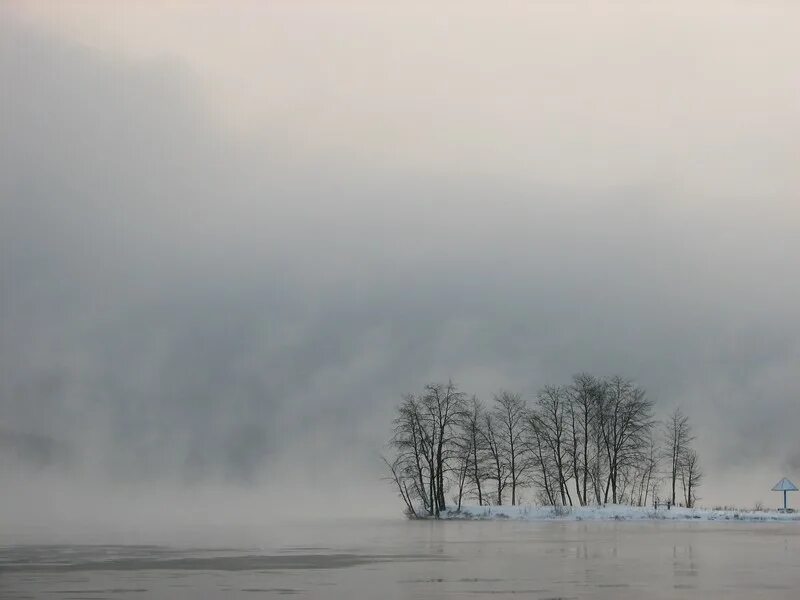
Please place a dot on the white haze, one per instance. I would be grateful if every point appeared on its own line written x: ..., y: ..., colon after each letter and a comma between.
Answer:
x: 232, y: 236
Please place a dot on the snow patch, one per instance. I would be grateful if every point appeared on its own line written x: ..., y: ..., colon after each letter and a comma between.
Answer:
x: 612, y: 512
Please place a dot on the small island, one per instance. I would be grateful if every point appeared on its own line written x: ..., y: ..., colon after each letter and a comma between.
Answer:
x: 589, y: 450
x: 615, y: 512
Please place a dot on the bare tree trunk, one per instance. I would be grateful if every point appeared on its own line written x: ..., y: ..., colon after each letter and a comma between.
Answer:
x: 574, y: 454
x: 677, y: 437
x: 473, y: 424
x: 536, y: 445
x: 550, y: 403
x: 395, y: 468
x: 476, y: 475
x: 510, y: 412
x: 495, y: 452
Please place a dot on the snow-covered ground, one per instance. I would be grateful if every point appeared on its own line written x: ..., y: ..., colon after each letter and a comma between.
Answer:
x: 614, y: 512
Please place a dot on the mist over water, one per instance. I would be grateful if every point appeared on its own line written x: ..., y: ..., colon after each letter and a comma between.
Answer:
x: 432, y: 560
x: 231, y: 242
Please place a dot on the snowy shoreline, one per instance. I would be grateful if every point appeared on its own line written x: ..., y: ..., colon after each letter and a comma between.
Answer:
x: 613, y: 512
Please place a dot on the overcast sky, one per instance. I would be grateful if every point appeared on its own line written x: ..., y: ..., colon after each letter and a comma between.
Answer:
x: 233, y: 234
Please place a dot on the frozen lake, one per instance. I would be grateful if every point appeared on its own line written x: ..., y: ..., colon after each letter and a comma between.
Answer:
x: 398, y: 559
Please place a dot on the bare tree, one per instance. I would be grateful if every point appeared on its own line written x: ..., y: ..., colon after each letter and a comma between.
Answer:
x: 582, y: 406
x: 474, y: 441
x: 460, y: 468
x: 510, y: 412
x: 425, y: 438
x: 551, y: 412
x: 470, y: 458
x: 494, y: 448
x: 691, y: 477
x: 594, y: 437
x: 400, y: 479
x: 543, y: 474
x: 597, y: 462
x: 649, y: 471
x: 414, y: 461
x: 443, y: 409
x: 626, y: 420
x: 677, y: 439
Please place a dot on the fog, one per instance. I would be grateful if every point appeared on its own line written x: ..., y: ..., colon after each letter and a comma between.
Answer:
x: 232, y: 238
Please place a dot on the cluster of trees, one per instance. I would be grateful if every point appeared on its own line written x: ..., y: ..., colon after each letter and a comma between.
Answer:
x: 593, y: 441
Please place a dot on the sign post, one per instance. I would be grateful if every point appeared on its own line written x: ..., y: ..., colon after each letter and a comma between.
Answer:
x: 784, y: 485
